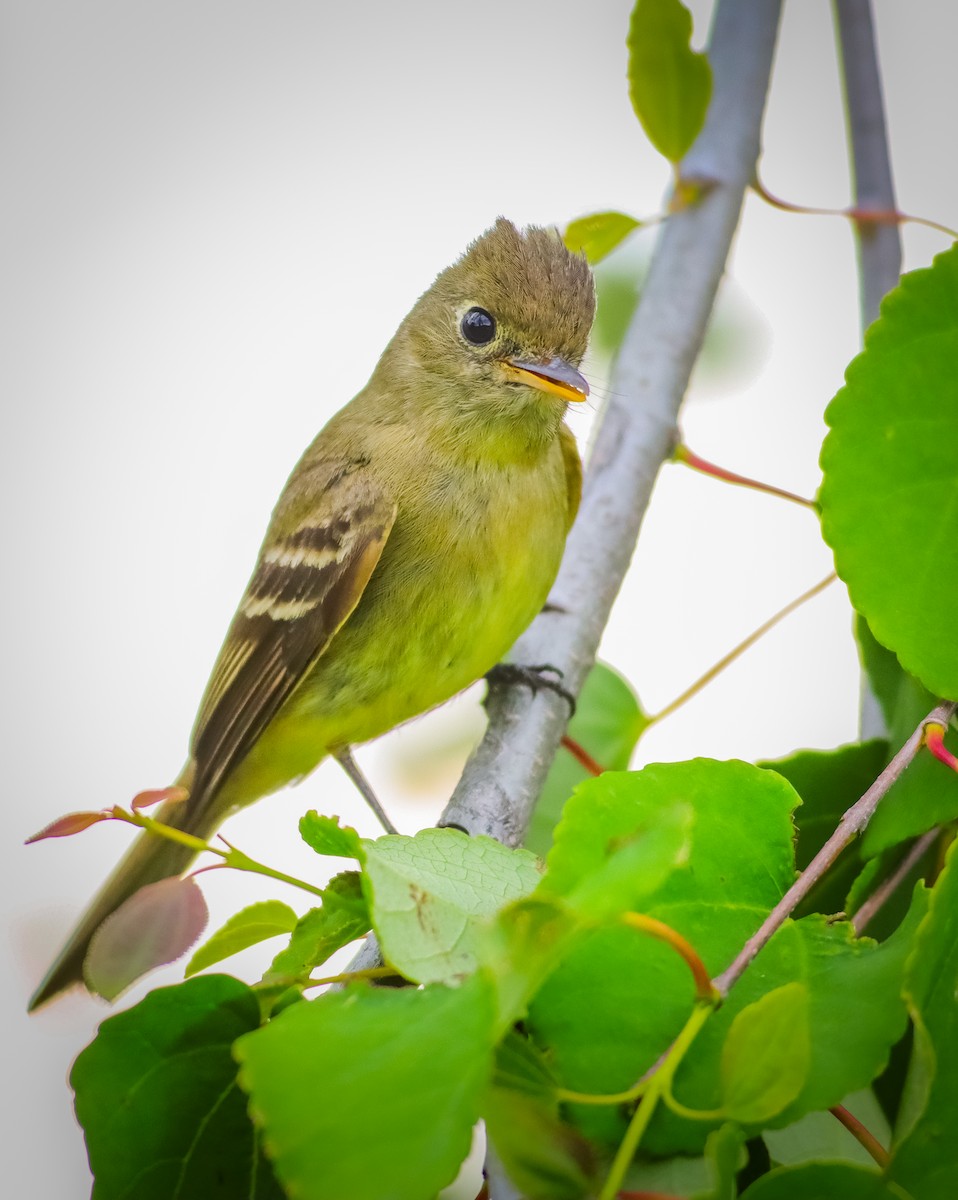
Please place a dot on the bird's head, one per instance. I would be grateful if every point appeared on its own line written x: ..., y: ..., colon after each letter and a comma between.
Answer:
x: 501, y: 333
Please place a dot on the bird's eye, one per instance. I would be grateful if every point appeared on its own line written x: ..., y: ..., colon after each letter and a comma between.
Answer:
x: 478, y: 326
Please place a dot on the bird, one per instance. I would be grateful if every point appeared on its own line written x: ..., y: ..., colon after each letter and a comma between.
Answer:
x: 417, y: 537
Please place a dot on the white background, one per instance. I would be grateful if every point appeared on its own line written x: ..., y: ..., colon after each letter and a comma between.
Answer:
x: 215, y: 216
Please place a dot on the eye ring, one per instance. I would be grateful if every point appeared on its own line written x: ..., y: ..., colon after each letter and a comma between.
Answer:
x: 478, y: 326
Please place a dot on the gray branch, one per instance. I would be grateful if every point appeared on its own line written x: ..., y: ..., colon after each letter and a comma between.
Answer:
x: 505, y: 774
x: 878, y: 243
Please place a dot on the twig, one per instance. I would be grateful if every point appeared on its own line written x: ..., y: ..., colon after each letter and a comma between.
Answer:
x: 737, y: 651
x: 581, y: 755
x: 637, y: 432
x: 887, y: 888
x: 861, y: 1134
x: 651, y: 927
x: 682, y: 454
x: 851, y: 824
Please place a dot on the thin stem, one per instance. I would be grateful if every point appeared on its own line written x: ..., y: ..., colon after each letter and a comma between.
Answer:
x: 345, y: 759
x: 740, y: 649
x: 861, y: 216
x: 658, y: 1083
x: 704, y: 992
x: 169, y: 832
x: 648, y: 1196
x: 243, y: 862
x: 887, y: 888
x: 349, y: 976
x: 603, y: 1098
x: 851, y: 824
x: 581, y: 755
x: 231, y: 856
x: 689, y: 458
x: 863, y: 1136
x: 691, y: 1114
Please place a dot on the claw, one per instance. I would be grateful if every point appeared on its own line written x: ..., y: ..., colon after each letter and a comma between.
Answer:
x: 534, y: 678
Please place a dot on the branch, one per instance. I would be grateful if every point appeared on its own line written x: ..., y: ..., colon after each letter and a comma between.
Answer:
x: 879, y: 243
x: 851, y: 824
x: 887, y: 888
x: 637, y: 433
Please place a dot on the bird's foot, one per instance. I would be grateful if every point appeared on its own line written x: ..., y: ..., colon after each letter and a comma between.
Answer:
x: 535, y: 679
x: 344, y: 757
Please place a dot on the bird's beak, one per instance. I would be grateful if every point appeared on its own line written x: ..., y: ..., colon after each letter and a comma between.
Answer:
x: 556, y: 377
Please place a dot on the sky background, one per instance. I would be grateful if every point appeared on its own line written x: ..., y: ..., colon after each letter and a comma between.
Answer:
x: 216, y: 215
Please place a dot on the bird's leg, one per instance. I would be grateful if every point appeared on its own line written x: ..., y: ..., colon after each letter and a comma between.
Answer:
x: 534, y: 678
x: 343, y: 755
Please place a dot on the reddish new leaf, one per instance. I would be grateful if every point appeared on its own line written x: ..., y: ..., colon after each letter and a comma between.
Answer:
x: 155, y: 926
x: 69, y: 825
x: 168, y: 795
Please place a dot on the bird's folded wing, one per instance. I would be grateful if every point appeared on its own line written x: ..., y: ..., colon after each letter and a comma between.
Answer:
x: 311, y: 573
x: 573, y: 471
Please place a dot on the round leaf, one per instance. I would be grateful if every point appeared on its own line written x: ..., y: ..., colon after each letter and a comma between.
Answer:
x: 154, y: 927
x: 252, y: 925
x: 371, y: 1092
x: 670, y: 85
x: 599, y: 233
x: 766, y: 1055
x: 889, y: 499
x: 156, y: 1094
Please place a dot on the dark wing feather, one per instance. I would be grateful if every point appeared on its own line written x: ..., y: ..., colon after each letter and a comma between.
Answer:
x: 311, y: 573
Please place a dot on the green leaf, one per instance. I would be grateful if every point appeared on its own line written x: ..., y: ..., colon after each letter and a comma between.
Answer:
x: 521, y: 947
x: 766, y: 1055
x: 598, y: 234
x: 725, y: 1155
x: 889, y: 499
x: 371, y: 1092
x: 614, y: 846
x: 816, y: 1181
x: 608, y: 722
x: 670, y: 85
x: 322, y: 931
x: 429, y: 896
x: 892, y: 686
x: 849, y: 1042
x: 252, y: 925
x: 325, y: 835
x: 925, y: 1160
x: 546, y: 1158
x: 616, y: 1001
x: 157, y: 1097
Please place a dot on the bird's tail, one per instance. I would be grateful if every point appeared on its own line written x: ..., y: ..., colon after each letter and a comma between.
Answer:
x: 150, y: 859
